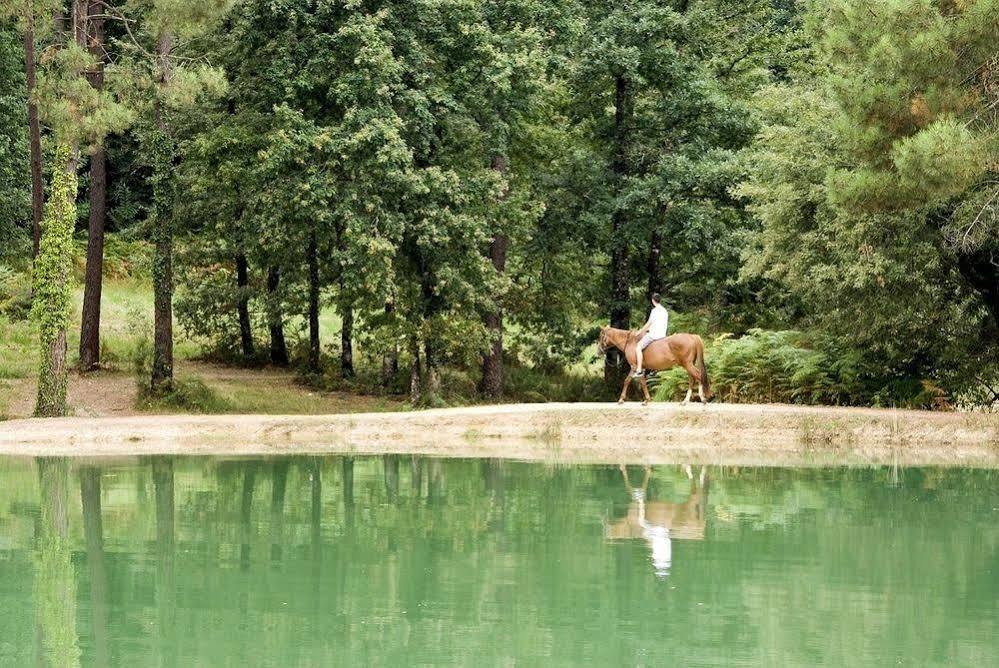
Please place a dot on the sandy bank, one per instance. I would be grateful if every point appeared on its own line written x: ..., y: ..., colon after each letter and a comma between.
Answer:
x: 726, y: 434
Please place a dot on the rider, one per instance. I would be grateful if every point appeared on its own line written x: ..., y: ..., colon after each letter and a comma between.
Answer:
x: 653, y: 330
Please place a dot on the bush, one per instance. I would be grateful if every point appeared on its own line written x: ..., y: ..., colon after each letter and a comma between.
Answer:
x: 529, y: 384
x: 15, y: 294
x: 798, y: 368
x: 188, y: 394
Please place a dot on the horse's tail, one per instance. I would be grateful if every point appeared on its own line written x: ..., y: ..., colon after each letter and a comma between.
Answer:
x: 703, y: 369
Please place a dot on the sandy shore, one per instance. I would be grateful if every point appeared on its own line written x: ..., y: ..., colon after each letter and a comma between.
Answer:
x: 724, y: 434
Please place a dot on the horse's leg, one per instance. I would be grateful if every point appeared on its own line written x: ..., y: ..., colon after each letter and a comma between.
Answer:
x: 693, y: 375
x: 700, y: 392
x: 645, y: 390
x: 688, y: 471
x: 624, y: 390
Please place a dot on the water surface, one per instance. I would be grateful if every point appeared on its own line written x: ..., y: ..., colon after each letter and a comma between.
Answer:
x: 395, y: 560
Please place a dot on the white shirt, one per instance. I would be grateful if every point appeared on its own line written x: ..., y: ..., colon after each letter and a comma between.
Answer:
x: 658, y: 321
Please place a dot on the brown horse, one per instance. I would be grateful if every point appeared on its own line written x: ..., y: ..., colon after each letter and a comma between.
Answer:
x: 686, y: 350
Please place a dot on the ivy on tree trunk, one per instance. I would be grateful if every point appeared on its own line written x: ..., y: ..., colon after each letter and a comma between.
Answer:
x: 162, y: 376
x: 51, y: 284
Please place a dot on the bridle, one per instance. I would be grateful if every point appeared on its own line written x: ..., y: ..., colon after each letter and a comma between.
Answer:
x: 603, y: 348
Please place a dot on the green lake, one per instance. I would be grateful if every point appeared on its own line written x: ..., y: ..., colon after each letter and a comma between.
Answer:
x: 316, y: 561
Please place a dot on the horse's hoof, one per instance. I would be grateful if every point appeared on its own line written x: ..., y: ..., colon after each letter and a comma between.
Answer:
x: 620, y: 402
x: 645, y: 403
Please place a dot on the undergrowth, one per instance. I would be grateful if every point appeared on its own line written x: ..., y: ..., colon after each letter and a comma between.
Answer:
x: 797, y: 368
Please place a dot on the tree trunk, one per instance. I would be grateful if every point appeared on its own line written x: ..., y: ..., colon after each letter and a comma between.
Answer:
x: 415, y: 372
x: 314, y: 342
x: 347, y: 340
x: 162, y: 376
x: 90, y: 325
x: 279, y: 349
x: 51, y: 284
x: 35, y: 136
x: 243, y: 306
x: 655, y: 251
x: 432, y: 377
x: 619, y: 307
x: 390, y: 360
x: 492, y: 362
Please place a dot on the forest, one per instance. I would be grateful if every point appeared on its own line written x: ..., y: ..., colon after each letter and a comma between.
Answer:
x: 443, y: 200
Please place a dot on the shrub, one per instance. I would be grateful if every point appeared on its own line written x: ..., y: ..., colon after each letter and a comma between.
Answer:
x: 800, y: 368
x: 15, y: 294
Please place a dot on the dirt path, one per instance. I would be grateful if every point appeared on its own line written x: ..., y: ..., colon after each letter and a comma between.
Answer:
x: 729, y: 434
x: 267, y: 390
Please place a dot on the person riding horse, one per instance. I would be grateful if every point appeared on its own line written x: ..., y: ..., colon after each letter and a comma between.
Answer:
x: 655, y: 328
x: 651, y: 349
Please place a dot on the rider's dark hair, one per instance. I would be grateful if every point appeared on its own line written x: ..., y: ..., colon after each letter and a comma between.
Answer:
x: 655, y: 297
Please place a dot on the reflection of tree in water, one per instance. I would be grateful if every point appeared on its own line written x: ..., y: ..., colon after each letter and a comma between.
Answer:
x: 93, y: 530
x: 54, y: 590
x: 391, y: 468
x: 166, y: 584
x: 279, y: 484
x: 661, y: 522
x: 507, y: 549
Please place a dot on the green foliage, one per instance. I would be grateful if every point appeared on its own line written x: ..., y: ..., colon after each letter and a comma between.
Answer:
x: 190, y: 395
x: 874, y: 181
x: 15, y: 294
x: 799, y: 368
x: 813, y: 167
x: 50, y: 310
x: 187, y: 395
x: 14, y: 188
x: 125, y: 258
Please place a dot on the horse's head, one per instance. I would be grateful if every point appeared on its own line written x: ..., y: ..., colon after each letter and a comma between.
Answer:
x: 603, y: 343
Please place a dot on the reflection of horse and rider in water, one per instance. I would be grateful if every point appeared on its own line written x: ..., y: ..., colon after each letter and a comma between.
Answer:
x: 659, y: 523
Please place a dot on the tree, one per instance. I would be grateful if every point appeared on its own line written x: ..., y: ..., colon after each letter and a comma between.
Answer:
x: 90, y: 325
x: 882, y: 224
x: 179, y: 80
x: 513, y: 84
x: 51, y: 304
x: 77, y: 113
x: 13, y: 145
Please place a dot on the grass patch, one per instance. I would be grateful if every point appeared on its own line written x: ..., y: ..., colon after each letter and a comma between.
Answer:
x: 190, y: 395
x: 277, y: 397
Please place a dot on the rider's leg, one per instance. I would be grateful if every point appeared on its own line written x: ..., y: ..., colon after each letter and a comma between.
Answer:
x: 639, y: 347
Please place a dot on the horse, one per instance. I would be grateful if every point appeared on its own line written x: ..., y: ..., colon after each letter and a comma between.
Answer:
x: 686, y: 350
